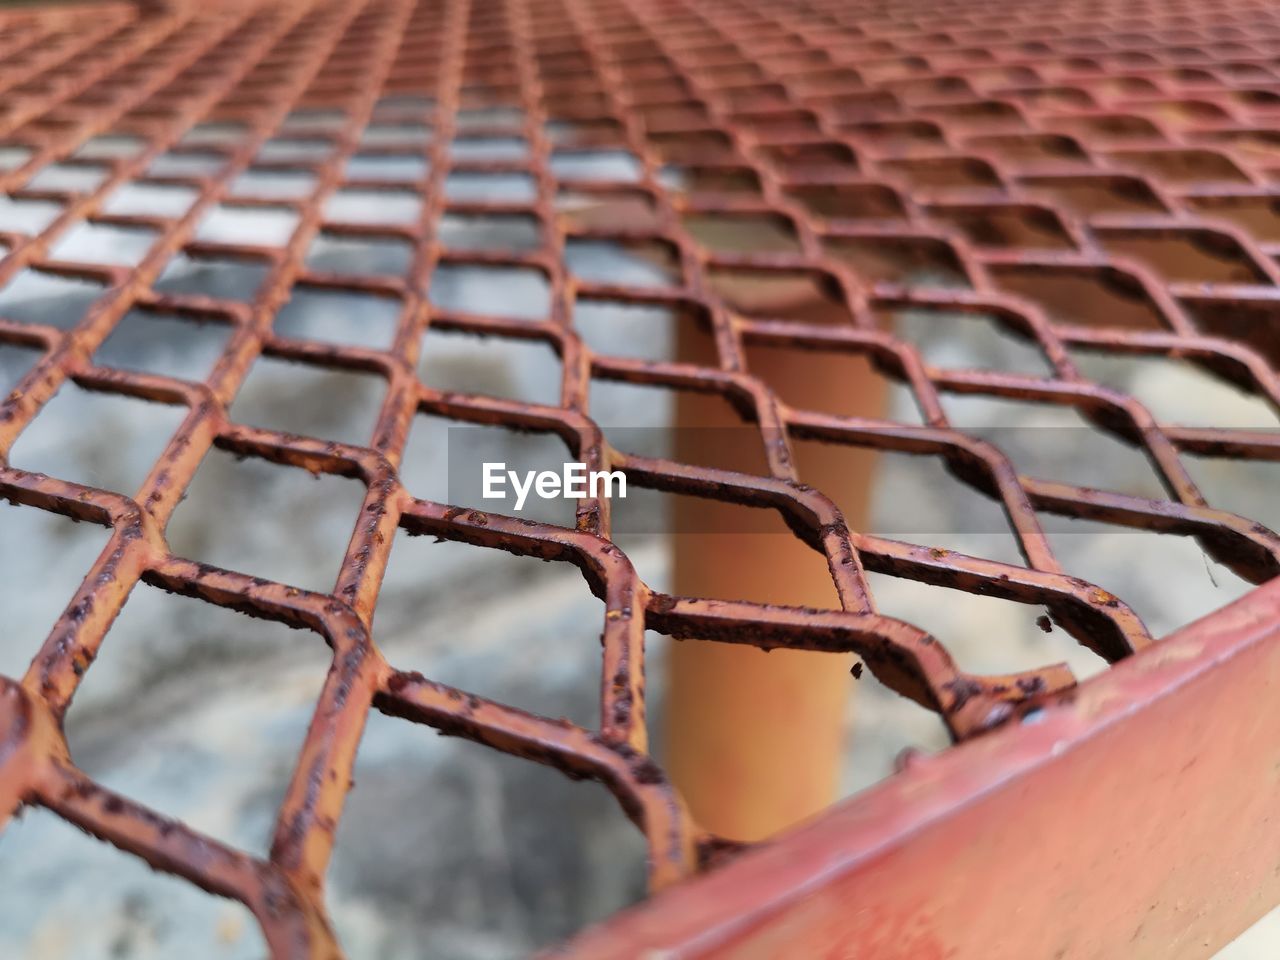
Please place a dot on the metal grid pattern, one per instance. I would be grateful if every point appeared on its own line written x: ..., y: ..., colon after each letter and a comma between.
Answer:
x: 1004, y: 150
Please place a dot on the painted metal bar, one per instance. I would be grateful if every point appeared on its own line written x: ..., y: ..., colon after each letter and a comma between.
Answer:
x: 1132, y: 819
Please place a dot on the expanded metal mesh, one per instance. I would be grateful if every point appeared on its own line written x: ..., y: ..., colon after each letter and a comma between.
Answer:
x: 1034, y: 164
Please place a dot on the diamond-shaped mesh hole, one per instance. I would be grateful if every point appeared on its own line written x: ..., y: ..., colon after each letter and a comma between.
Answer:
x: 24, y: 215
x: 173, y: 346
x: 521, y: 292
x: 309, y: 400
x: 101, y: 243
x: 1084, y: 295
x: 1008, y: 226
x: 150, y: 199
x: 525, y: 370
x: 223, y: 520
x: 920, y: 262
x: 117, y: 438
x: 219, y: 277
x: 53, y: 299
x: 623, y: 262
x: 359, y: 256
x: 339, y: 316
x: 165, y: 654
x: 1194, y: 256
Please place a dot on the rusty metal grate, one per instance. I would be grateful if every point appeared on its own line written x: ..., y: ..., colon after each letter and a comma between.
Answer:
x: 1042, y: 160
